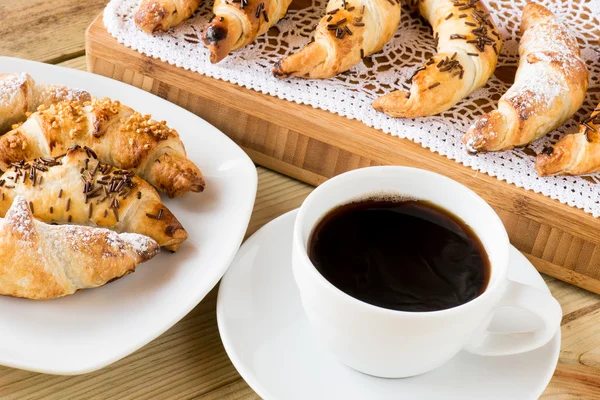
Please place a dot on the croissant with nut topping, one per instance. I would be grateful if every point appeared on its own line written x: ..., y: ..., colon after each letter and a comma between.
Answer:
x: 40, y: 261
x: 118, y: 135
x: 20, y: 95
x: 468, y: 44
x: 77, y: 188
x: 237, y: 23
x: 349, y: 31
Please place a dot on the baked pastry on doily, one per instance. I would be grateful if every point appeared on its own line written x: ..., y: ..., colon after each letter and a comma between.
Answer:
x: 41, y: 261
x: 549, y: 87
x: 118, y: 135
x: 78, y: 189
x: 20, y: 94
x: 576, y: 154
x: 349, y: 31
x: 161, y: 15
x: 238, y: 23
x: 468, y: 44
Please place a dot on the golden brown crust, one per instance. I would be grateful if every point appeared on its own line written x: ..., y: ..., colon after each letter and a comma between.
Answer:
x: 576, y: 154
x: 40, y: 261
x: 161, y: 15
x: 237, y: 24
x: 78, y: 189
x: 116, y: 133
x: 348, y: 32
x: 468, y: 44
x: 20, y: 95
x: 549, y: 87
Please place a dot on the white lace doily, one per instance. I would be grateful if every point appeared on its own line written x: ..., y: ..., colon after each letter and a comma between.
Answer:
x: 351, y: 93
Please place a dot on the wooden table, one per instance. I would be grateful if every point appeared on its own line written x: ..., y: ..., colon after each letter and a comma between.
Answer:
x: 188, y: 361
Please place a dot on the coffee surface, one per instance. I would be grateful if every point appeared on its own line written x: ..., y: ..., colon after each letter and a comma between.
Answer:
x: 400, y: 255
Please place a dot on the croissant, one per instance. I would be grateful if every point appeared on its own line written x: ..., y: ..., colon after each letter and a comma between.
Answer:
x: 576, y: 154
x: 349, y: 31
x: 468, y: 44
x: 238, y: 22
x: 41, y: 261
x: 549, y: 87
x: 78, y: 189
x: 161, y: 15
x: 20, y: 94
x: 116, y: 133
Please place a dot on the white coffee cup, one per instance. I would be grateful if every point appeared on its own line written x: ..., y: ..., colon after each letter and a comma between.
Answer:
x: 392, y: 344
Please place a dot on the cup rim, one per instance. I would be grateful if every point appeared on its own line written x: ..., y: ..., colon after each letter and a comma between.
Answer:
x: 315, y: 274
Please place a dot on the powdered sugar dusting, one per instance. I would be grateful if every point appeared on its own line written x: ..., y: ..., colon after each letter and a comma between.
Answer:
x: 352, y: 93
x: 112, y: 243
x: 10, y: 88
x: 553, y: 37
x: 79, y: 238
x: 20, y: 219
x: 53, y: 93
x: 140, y: 243
x: 536, y: 88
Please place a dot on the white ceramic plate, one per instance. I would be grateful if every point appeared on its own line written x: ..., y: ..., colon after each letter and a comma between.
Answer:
x: 269, y: 340
x: 93, y: 328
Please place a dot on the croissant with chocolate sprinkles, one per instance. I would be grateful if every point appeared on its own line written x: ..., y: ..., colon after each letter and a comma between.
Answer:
x: 238, y: 23
x: 161, y: 15
x: 574, y: 154
x: 118, y: 135
x: 468, y: 44
x: 77, y: 188
x: 349, y: 31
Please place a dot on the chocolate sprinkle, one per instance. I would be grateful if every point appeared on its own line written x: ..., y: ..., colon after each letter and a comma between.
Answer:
x: 547, y: 150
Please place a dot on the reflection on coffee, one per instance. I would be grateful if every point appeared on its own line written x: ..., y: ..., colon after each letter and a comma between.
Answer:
x: 400, y: 255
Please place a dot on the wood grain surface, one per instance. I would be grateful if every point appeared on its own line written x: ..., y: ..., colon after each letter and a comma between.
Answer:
x: 313, y: 145
x: 188, y: 361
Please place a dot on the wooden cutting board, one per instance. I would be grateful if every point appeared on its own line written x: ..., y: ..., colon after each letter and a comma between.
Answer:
x: 313, y: 145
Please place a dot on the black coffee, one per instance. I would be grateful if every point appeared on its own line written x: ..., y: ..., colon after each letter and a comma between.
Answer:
x: 401, y: 255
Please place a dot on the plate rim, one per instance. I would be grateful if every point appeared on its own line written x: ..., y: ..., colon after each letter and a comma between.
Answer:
x: 255, y: 383
x: 84, y: 366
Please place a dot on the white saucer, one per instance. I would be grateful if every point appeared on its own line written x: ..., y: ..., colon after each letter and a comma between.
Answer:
x: 270, y: 342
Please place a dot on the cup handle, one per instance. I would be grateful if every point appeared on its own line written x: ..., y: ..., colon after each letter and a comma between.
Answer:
x: 536, y: 301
